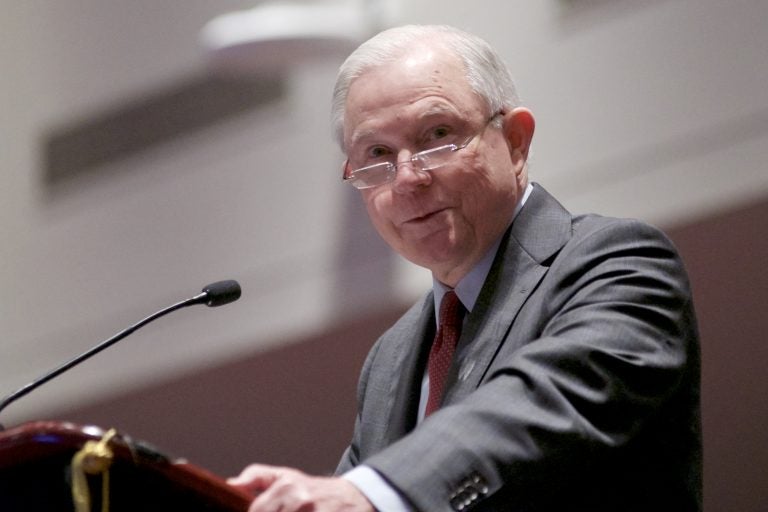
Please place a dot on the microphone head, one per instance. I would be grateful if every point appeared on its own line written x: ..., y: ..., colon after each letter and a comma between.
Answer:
x: 221, y: 292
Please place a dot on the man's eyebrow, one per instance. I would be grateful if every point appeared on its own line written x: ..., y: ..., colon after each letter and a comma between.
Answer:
x: 362, y: 135
x: 436, y: 111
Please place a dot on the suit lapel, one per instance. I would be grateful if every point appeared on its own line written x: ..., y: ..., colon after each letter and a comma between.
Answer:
x: 540, y: 230
x: 407, y: 369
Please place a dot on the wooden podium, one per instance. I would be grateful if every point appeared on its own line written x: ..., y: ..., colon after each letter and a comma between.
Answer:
x: 36, y: 474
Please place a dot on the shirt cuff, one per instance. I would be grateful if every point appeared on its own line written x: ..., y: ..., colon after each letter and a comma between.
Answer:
x: 382, y: 496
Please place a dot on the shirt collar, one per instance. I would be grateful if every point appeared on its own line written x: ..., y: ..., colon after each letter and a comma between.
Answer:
x: 468, y: 289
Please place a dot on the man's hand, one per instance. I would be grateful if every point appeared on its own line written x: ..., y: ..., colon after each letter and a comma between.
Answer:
x: 290, y: 490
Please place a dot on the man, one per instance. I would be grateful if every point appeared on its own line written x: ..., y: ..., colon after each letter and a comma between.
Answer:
x: 574, y: 381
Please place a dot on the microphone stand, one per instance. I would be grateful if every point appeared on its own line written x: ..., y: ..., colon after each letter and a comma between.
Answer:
x: 215, y: 294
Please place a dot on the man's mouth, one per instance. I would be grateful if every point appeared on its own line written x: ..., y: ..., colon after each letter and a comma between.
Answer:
x: 425, y: 217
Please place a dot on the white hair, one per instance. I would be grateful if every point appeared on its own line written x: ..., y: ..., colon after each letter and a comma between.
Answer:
x: 486, y: 72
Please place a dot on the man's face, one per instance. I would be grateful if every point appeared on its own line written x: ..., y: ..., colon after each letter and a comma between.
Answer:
x: 445, y: 219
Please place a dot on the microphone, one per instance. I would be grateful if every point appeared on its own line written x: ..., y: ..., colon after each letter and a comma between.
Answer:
x: 219, y: 293
x: 213, y: 295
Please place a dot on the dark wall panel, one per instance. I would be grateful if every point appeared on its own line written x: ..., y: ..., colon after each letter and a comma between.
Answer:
x: 727, y: 259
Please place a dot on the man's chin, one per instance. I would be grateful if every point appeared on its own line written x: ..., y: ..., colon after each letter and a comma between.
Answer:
x: 432, y: 252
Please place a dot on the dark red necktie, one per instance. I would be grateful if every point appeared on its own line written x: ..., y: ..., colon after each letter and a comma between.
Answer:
x: 441, y: 353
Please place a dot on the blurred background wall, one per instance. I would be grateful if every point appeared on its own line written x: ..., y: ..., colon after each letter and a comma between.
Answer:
x: 134, y: 172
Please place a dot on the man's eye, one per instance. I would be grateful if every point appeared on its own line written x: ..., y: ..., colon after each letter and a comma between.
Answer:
x: 440, y: 132
x: 378, y: 152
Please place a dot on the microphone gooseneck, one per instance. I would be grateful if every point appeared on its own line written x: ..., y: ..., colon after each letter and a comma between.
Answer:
x: 215, y: 294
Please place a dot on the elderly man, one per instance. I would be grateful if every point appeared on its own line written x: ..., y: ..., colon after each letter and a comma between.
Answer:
x: 553, y: 366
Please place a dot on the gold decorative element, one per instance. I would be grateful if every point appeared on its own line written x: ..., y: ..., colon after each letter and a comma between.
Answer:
x: 93, y: 459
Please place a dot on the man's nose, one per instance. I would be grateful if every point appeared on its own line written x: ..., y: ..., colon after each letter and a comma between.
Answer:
x: 408, y: 175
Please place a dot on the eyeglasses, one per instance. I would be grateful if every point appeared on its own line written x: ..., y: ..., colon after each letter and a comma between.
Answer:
x: 378, y: 174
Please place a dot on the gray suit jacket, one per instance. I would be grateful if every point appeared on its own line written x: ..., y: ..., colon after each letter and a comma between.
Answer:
x: 578, y: 388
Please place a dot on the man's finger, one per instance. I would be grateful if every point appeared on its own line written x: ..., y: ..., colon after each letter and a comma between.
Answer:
x: 255, y: 478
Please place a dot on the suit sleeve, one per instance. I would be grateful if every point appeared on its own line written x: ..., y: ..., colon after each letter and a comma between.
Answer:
x: 609, y: 354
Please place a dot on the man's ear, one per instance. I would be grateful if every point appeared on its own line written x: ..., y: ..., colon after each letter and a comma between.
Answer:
x: 518, y: 130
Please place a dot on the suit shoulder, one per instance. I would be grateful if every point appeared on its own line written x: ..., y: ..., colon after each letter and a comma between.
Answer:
x: 633, y: 231
x: 600, y: 242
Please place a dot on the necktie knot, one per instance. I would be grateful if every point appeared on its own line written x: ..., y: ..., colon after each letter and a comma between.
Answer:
x: 450, y: 314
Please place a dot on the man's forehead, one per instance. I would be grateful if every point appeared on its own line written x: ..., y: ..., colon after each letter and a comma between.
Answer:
x: 424, y: 82
x: 431, y: 112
